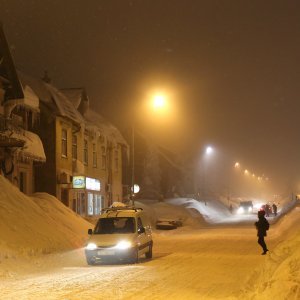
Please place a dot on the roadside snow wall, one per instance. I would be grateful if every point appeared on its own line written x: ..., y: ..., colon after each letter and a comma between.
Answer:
x: 36, y: 225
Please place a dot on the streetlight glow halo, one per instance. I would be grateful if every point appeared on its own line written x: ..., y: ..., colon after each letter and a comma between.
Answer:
x: 159, y: 101
x: 209, y: 150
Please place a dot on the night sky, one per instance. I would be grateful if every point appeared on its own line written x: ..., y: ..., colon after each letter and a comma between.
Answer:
x: 232, y: 68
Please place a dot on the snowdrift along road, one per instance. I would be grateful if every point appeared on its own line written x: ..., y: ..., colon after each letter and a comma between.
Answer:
x: 36, y: 225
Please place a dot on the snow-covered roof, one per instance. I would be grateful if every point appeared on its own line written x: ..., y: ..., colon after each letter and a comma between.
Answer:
x: 30, y: 98
x: 32, y: 147
x: 67, y: 101
x: 48, y: 94
x: 37, y: 85
x: 96, y: 122
x: 75, y: 95
x: 64, y: 105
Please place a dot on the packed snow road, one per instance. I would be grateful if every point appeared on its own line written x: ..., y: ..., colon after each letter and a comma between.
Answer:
x: 211, y: 263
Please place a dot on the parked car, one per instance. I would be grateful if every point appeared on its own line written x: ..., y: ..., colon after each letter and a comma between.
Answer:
x: 168, y: 224
x: 121, y: 233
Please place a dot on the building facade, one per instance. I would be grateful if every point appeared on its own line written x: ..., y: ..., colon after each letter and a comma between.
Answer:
x: 20, y: 148
x: 85, y: 153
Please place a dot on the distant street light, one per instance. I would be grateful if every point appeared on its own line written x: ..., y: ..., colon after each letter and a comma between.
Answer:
x: 237, y: 165
x: 209, y: 150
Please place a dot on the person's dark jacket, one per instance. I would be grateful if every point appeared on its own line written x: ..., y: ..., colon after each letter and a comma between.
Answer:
x: 262, y: 225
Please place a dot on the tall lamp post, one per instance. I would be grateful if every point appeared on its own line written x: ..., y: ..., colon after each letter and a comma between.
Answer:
x: 158, y: 102
x: 132, y: 164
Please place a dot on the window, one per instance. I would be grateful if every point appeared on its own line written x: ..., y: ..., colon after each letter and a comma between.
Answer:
x: 64, y: 141
x: 94, y: 156
x: 85, y: 152
x: 139, y: 223
x: 74, y: 146
x: 90, y: 204
x: 98, y: 204
x: 103, y: 160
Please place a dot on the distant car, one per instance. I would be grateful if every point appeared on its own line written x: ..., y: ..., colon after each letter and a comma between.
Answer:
x: 245, y: 207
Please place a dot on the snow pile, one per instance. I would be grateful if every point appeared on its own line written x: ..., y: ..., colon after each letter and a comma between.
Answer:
x: 212, y: 211
x: 279, y: 276
x: 36, y: 225
x: 165, y: 210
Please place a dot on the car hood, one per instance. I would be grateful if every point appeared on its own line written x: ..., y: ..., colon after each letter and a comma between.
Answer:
x: 110, y: 240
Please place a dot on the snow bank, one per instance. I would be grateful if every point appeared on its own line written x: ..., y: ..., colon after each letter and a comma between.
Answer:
x: 279, y: 276
x: 212, y: 211
x: 36, y: 225
x: 166, y: 210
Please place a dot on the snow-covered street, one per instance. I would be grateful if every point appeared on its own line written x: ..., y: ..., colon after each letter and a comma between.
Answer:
x: 42, y: 254
x: 149, y: 150
x: 212, y: 263
x: 189, y: 265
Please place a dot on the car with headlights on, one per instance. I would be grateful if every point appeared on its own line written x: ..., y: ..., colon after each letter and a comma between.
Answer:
x: 121, y: 233
x: 245, y: 207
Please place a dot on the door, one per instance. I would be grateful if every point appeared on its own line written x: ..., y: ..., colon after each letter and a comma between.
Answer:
x: 143, y: 239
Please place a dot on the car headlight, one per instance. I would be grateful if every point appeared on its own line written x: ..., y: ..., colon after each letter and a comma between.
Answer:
x: 258, y: 205
x: 123, y: 245
x: 250, y: 209
x: 91, y: 246
x: 240, y: 210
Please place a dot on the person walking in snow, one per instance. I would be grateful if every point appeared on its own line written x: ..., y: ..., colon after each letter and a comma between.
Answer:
x: 267, y: 210
x: 262, y: 225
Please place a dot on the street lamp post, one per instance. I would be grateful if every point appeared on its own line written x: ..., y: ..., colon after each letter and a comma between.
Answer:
x: 208, y: 151
x: 132, y: 163
x: 158, y: 103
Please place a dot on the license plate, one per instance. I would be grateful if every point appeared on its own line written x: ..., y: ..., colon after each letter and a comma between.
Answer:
x: 106, y: 252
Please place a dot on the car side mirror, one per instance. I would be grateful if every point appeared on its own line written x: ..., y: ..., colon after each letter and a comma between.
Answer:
x: 90, y: 231
x: 141, y: 230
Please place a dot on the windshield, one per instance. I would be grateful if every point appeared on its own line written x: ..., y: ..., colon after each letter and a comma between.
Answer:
x: 115, y: 225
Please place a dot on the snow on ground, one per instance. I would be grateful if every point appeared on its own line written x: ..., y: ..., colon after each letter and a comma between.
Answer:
x: 41, y: 254
x: 30, y: 226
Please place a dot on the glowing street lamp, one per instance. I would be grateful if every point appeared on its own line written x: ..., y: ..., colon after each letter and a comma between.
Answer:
x: 209, y: 150
x: 237, y: 165
x: 159, y: 101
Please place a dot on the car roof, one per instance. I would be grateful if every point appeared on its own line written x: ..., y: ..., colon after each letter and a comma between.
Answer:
x: 121, y: 212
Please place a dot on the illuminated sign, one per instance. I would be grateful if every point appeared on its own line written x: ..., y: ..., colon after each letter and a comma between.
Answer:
x: 136, y: 188
x: 78, y: 182
x: 92, y: 184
